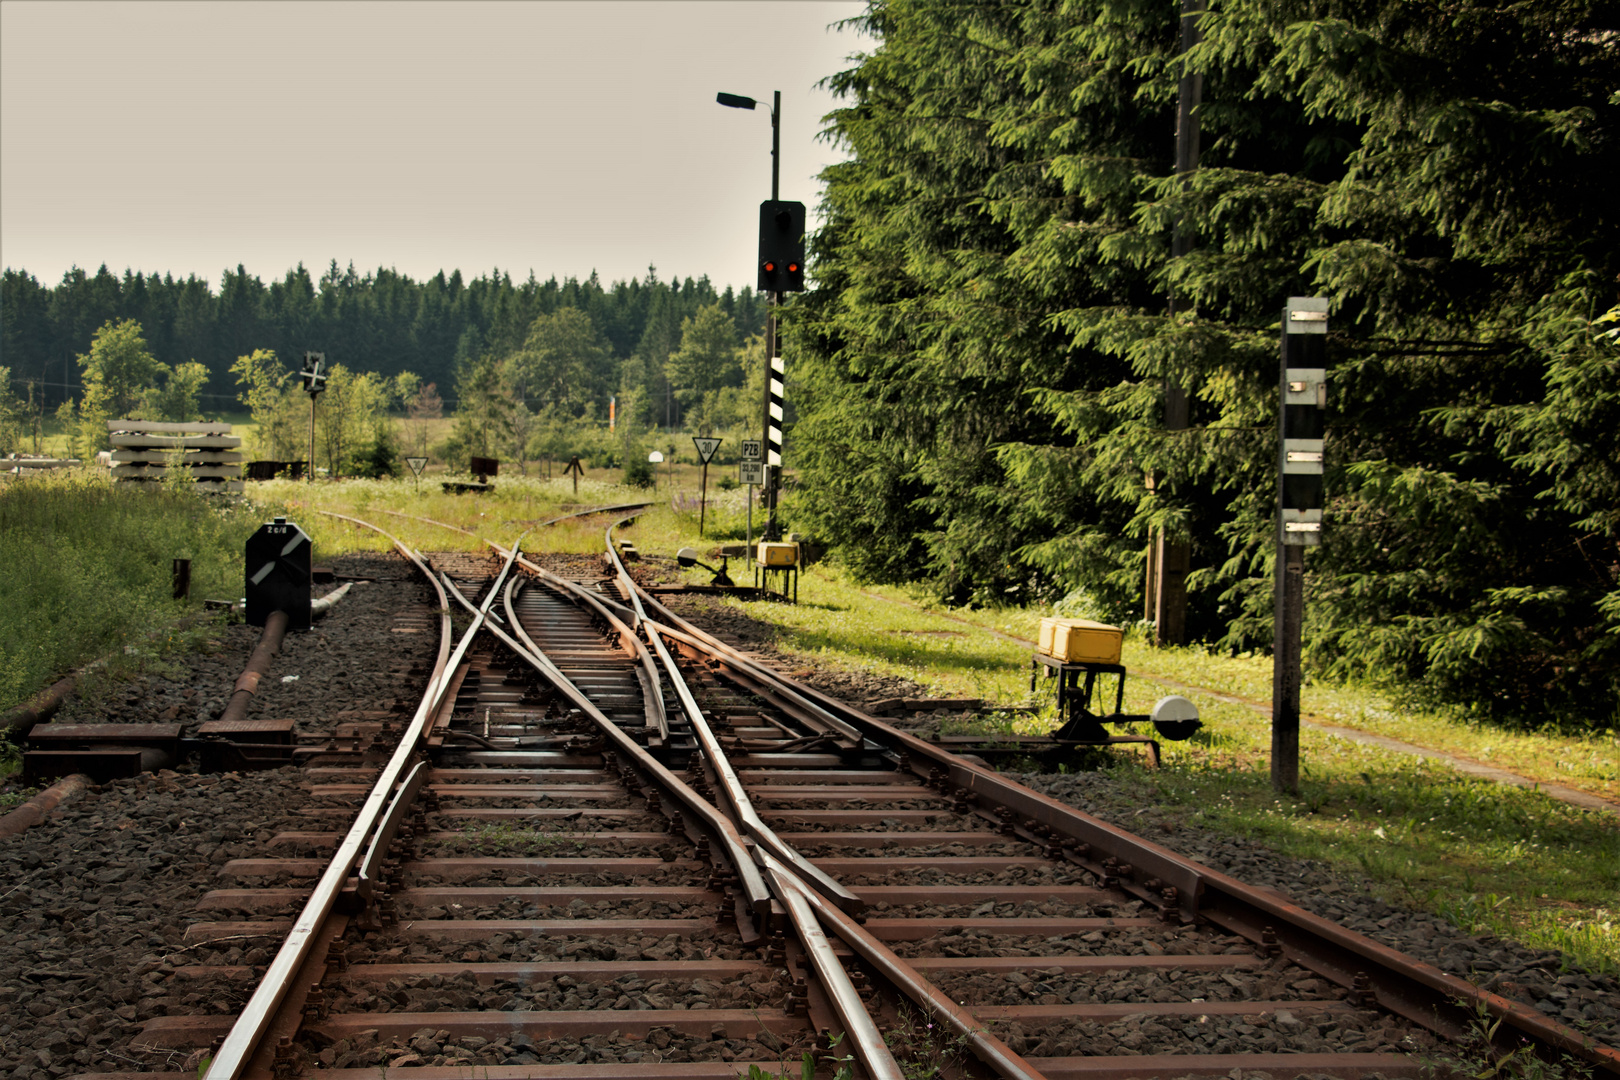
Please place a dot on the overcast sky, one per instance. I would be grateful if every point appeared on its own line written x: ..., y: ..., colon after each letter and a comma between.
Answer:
x: 559, y: 137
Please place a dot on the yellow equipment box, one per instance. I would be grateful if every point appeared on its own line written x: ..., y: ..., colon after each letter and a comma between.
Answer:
x: 778, y: 555
x: 1081, y: 641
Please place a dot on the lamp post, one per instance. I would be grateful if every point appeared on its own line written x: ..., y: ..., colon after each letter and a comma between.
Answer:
x: 768, y: 494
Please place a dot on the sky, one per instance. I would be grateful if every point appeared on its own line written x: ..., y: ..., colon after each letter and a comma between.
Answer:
x: 558, y: 137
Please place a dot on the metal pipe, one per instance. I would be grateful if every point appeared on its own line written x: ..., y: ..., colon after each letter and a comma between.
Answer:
x: 258, y: 666
x: 33, y: 811
x: 320, y: 607
x: 41, y: 708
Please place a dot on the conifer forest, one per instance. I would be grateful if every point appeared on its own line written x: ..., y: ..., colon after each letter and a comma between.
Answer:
x: 1010, y: 276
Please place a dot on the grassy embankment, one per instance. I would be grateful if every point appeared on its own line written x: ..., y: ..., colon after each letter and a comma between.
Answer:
x: 1493, y: 858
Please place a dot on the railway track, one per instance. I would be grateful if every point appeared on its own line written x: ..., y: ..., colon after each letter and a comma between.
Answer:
x: 605, y: 844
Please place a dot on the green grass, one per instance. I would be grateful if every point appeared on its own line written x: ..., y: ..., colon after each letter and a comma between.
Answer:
x: 1588, y: 762
x: 89, y: 570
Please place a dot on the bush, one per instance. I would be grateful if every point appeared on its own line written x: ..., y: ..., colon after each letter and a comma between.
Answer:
x: 637, y: 474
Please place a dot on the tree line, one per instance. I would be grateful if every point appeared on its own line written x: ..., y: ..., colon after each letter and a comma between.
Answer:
x: 984, y: 361
x: 516, y: 361
x: 381, y: 321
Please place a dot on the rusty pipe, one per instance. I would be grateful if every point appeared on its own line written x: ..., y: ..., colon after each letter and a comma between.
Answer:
x: 39, y: 709
x: 33, y: 811
x: 258, y: 666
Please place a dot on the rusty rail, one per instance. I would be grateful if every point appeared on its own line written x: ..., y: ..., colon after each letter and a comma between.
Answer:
x: 1400, y: 984
x: 243, y: 1042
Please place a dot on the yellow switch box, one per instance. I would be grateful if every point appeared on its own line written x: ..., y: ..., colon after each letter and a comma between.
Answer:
x: 777, y: 555
x: 1081, y: 641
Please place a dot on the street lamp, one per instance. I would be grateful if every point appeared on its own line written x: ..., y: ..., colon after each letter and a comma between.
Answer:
x: 737, y: 101
x: 768, y: 496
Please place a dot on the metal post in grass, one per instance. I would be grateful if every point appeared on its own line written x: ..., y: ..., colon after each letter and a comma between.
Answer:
x: 314, y: 382
x: 1302, y: 406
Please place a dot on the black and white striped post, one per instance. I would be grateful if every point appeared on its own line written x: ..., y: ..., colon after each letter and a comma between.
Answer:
x: 1302, y: 408
x: 774, y: 380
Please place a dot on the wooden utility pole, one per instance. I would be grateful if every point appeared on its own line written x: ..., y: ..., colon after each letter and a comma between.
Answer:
x: 1169, y: 561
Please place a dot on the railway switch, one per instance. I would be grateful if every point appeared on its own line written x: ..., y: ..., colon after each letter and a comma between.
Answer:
x: 277, y: 568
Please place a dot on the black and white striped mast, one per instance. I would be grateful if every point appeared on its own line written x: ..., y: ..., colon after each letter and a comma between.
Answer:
x: 781, y: 269
x: 1301, y: 416
x: 774, y: 368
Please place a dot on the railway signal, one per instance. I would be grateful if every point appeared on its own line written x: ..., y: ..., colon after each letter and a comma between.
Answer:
x: 1302, y: 411
x: 277, y: 569
x: 781, y: 269
x: 314, y: 379
x: 781, y: 246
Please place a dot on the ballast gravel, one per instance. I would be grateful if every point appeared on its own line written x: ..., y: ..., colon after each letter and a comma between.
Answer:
x: 95, y: 902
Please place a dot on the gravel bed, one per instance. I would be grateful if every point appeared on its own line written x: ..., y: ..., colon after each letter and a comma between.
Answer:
x: 448, y: 797
x: 703, y: 943
x: 1049, y: 874
x: 780, y: 804
x: 95, y: 901
x: 463, y: 993
x: 943, y: 821
x: 1362, y: 1032
x: 1132, y: 941
x: 345, y: 663
x: 673, y: 875
x: 1542, y: 979
x: 429, y: 1047
x: 1052, y: 986
x: 1028, y: 909
x: 557, y: 847
x: 575, y: 909
x: 93, y: 920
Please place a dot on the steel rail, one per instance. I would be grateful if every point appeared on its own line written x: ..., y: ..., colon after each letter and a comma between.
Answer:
x: 1146, y: 860
x: 646, y: 669
x: 766, y: 684
x: 863, y: 1034
x: 553, y: 521
x: 740, y: 806
x: 256, y: 1017
x: 812, y: 713
x: 1406, y: 987
x: 753, y: 885
x: 802, y: 902
x: 938, y: 1005
x: 388, y: 829
x: 866, y: 1040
